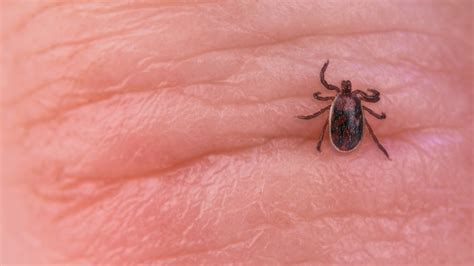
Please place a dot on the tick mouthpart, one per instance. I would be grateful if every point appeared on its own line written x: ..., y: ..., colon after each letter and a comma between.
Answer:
x: 346, y: 86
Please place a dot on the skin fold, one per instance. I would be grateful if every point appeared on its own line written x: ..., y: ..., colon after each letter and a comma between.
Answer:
x: 165, y: 132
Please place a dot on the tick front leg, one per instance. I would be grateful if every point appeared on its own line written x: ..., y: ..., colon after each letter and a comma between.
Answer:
x: 307, y: 117
x: 378, y: 116
x: 324, y: 82
x: 321, y: 98
x: 321, y: 137
x: 376, y: 140
x: 373, y: 98
x: 375, y: 93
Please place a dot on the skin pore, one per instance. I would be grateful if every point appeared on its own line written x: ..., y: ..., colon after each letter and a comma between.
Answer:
x: 165, y: 132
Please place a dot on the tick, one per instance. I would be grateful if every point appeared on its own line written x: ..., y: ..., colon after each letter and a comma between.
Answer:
x: 346, y: 117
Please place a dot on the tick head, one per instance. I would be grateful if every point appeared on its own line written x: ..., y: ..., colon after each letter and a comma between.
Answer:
x: 346, y: 86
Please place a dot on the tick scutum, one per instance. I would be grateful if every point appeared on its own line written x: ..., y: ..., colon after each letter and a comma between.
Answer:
x: 346, y: 122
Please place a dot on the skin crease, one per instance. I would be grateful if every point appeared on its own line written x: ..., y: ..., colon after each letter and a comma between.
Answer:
x: 165, y: 132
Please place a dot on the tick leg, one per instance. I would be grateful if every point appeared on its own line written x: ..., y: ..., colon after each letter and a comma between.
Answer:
x: 321, y: 98
x: 376, y: 140
x: 378, y: 116
x: 375, y: 93
x: 306, y: 117
x: 370, y: 100
x: 373, y: 98
x: 324, y: 82
x: 321, y: 137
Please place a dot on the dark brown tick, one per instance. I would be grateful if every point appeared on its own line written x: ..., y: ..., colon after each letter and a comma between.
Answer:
x: 346, y: 117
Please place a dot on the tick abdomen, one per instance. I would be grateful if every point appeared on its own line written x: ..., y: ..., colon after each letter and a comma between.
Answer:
x: 346, y: 122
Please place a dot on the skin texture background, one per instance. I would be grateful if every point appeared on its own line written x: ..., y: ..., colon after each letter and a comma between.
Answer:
x: 164, y: 132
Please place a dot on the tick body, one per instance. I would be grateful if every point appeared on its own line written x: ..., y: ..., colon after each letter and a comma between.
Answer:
x: 346, y: 115
x: 346, y: 122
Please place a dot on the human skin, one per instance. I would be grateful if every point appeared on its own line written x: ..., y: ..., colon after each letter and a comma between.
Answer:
x: 161, y: 132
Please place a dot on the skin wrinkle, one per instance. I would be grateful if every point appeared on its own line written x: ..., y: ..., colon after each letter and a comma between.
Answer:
x: 88, y: 202
x: 60, y: 113
x: 241, y: 105
x: 197, y: 161
x: 378, y: 234
x: 393, y: 133
x: 293, y: 40
x: 177, y: 255
x: 199, y: 157
x: 142, y: 214
x: 110, y: 91
x: 90, y: 39
x: 11, y: 103
x: 103, y: 36
x: 27, y: 18
x: 76, y: 208
x: 280, y: 42
x: 137, y: 7
x: 105, y: 97
x: 220, y: 249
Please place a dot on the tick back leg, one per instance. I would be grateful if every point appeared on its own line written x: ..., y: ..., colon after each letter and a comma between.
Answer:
x: 306, y: 117
x: 378, y: 116
x: 321, y: 137
x: 376, y: 140
x: 324, y: 82
x: 321, y: 98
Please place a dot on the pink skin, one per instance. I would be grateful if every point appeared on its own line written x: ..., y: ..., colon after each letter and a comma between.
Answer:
x: 165, y: 133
